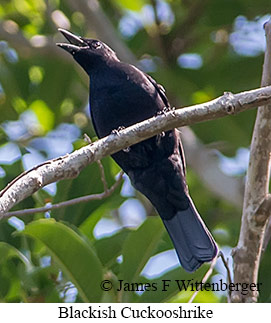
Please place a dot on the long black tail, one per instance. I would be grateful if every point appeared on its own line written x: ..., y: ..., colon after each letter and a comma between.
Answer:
x: 191, y: 238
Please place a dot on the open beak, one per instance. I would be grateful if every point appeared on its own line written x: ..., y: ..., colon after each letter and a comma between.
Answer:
x: 75, y: 42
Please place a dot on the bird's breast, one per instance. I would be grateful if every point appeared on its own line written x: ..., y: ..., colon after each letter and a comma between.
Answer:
x: 121, y: 104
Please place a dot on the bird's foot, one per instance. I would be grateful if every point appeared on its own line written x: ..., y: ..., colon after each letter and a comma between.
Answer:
x: 159, y: 137
x: 116, y: 131
x: 126, y: 150
x: 164, y: 110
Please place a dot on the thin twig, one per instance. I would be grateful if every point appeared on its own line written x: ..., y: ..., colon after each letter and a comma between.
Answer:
x: 184, y: 32
x: 102, y: 175
x: 205, y: 277
x: 229, y: 279
x: 77, y: 200
x: 103, y: 178
x: 225, y: 262
x: 87, y: 139
x: 158, y: 36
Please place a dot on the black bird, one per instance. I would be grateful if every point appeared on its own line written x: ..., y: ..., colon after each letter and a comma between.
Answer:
x: 120, y: 96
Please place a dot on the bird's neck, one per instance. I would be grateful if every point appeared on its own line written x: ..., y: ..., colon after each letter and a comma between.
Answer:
x: 105, y: 75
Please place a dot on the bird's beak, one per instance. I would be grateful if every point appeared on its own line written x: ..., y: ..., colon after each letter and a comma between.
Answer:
x: 75, y: 42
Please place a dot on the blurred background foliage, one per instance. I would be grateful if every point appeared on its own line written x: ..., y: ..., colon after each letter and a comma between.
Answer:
x: 197, y: 49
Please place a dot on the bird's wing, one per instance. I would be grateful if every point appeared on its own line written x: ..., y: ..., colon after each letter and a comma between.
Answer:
x: 162, y: 92
x: 181, y: 151
x: 160, y: 89
x: 93, y: 120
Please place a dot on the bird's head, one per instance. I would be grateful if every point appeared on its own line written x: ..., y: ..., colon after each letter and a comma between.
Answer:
x: 89, y: 53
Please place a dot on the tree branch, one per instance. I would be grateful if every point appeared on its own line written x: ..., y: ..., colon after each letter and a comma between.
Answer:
x: 81, y: 199
x: 264, y: 209
x: 247, y: 254
x: 156, y: 35
x: 226, y: 265
x: 184, y: 35
x: 70, y: 165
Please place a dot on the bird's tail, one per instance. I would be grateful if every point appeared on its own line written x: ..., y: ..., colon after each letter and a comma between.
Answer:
x: 191, y: 238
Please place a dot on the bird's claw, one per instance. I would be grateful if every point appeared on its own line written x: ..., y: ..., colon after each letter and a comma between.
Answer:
x: 164, y: 111
x: 126, y: 150
x: 116, y: 131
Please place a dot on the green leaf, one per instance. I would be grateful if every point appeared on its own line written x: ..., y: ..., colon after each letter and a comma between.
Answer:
x: 73, y: 254
x: 8, y: 251
x: 109, y: 248
x: 89, y: 182
x: 139, y: 247
x: 113, y: 202
x: 202, y: 297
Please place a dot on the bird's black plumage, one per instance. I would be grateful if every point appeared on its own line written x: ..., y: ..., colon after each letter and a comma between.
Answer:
x: 120, y: 96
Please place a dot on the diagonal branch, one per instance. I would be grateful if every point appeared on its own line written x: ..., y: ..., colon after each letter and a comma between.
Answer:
x: 70, y: 165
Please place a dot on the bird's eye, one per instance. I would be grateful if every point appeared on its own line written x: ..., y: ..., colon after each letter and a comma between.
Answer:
x: 96, y: 45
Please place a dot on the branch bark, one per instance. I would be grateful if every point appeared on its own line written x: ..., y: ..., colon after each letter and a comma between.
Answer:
x: 247, y: 254
x: 82, y: 199
x: 69, y: 166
